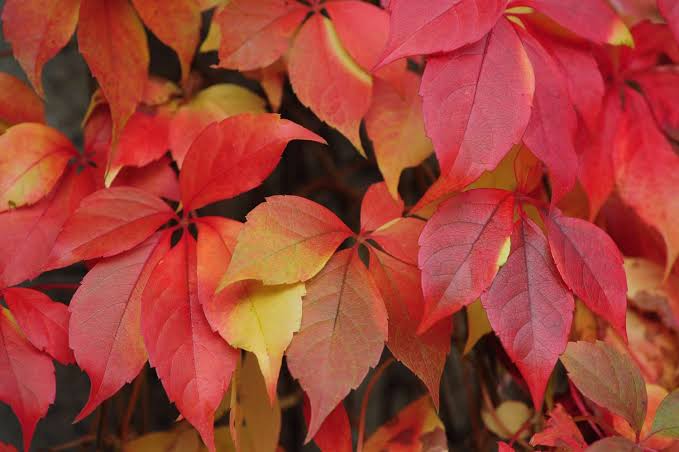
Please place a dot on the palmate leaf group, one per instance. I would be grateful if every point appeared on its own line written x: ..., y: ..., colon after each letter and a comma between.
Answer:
x: 541, y: 114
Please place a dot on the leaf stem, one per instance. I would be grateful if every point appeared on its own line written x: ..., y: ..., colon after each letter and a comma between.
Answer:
x: 131, y: 405
x: 366, y: 396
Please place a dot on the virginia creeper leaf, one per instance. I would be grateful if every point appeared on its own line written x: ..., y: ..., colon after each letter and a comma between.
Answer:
x: 29, y: 233
x: 337, y: 90
x: 108, y: 222
x: 38, y: 30
x: 560, y: 432
x: 176, y: 23
x: 399, y: 238
x: 334, y: 435
x: 396, y: 127
x: 344, y: 327
x: 670, y: 11
x: 459, y: 250
x: 105, y: 329
x: 27, y: 376
x: 143, y: 140
x: 378, y: 207
x: 285, y: 240
x: 250, y: 316
x: 181, y: 438
x: 551, y: 128
x: 255, y: 33
x: 477, y: 325
x: 18, y: 102
x: 235, y: 155
x: 405, y: 431
x: 660, y: 89
x: 616, y: 443
x: 212, y: 104
x: 594, y: 20
x: 112, y: 40
x: 43, y: 321
x: 608, y: 378
x: 666, y: 422
x: 510, y: 415
x: 656, y: 394
x: 529, y: 308
x: 477, y: 102
x: 591, y: 266
x: 437, y: 26
x: 647, y: 170
x: 425, y: 354
x: 255, y: 422
x: 32, y: 159
x: 157, y: 177
x: 176, y: 333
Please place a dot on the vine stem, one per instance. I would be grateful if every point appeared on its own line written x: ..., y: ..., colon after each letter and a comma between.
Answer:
x: 364, y: 403
x: 503, y: 428
x: 131, y: 405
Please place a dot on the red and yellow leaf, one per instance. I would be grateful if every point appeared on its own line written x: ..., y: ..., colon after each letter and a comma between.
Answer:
x: 344, y: 327
x: 105, y: 329
x: 379, y: 207
x: 43, y: 321
x: 560, y: 432
x: 18, y: 102
x: 529, y: 308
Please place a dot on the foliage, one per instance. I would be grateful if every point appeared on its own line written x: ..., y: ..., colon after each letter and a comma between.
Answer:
x: 552, y: 221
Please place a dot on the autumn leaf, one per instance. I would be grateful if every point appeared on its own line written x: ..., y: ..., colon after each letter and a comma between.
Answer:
x: 616, y: 443
x: 44, y: 322
x: 285, y: 240
x: 27, y: 376
x: 438, y: 26
x: 344, y: 327
x: 157, y: 178
x: 32, y: 159
x: 467, y: 99
x: 255, y: 421
x: 334, y: 435
x: 105, y: 328
x: 477, y: 325
x: 378, y: 207
x: 459, y: 250
x: 656, y: 395
x: 511, y: 415
x: 338, y: 90
x: 212, y: 104
x: 234, y: 156
x: 399, y: 238
x: 560, y: 432
x: 670, y: 12
x: 666, y: 418
x: 108, y: 222
x: 175, y: 330
x: 529, y: 308
x: 178, y: 439
x: 659, y: 88
x: 395, y: 125
x: 18, y: 102
x: 407, y: 429
x: 591, y: 266
x: 608, y: 378
x: 29, y: 233
x: 51, y: 24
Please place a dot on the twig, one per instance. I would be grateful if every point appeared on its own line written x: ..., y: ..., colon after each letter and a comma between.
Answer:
x: 101, y: 426
x: 131, y: 405
x: 364, y: 403
x: 581, y: 407
x: 501, y: 426
x: 74, y: 443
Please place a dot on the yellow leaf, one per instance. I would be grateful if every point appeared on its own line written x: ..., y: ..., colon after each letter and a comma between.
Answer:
x: 512, y: 415
x: 183, y: 438
x: 261, y: 319
x: 213, y: 38
x: 477, y: 325
x: 255, y: 423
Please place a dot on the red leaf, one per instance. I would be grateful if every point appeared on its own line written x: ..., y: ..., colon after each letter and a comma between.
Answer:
x: 560, y: 432
x: 334, y: 435
x: 32, y: 159
x: 660, y: 89
x: 158, y: 178
x: 27, y: 376
x: 670, y: 11
x: 425, y: 354
x: 28, y: 234
x: 144, y: 139
x: 43, y: 321
x: 504, y: 447
x: 7, y: 447
x: 594, y: 19
x: 477, y: 102
x: 591, y: 266
x: 37, y: 30
x: 551, y: 129
x: 105, y: 330
x: 176, y: 23
x: 194, y: 364
x: 435, y: 26
x: 400, y: 238
x: 108, y: 222
x: 328, y: 80
x: 235, y: 155
x: 378, y: 207
x: 255, y: 33
x: 18, y: 102
x: 459, y: 250
x: 285, y: 240
x: 647, y: 172
x: 344, y: 326
x: 112, y: 40
x: 529, y: 308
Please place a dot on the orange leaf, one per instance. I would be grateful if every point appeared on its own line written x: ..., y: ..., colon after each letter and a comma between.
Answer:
x: 18, y: 102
